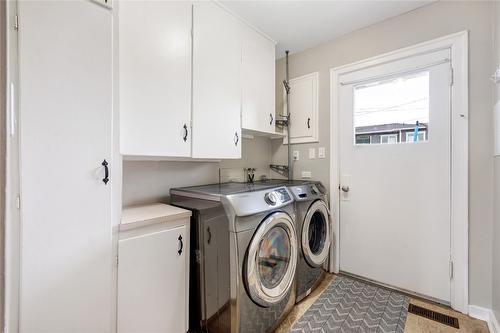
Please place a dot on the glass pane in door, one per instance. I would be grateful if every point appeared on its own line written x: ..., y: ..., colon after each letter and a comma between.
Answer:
x: 274, y: 257
x: 393, y: 110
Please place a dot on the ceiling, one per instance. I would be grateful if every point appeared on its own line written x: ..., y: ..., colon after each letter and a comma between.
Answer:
x: 299, y: 25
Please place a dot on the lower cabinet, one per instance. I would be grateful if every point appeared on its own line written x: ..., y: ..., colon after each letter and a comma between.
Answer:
x: 153, y: 281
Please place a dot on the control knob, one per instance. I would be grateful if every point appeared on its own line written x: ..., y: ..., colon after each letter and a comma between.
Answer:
x: 271, y: 198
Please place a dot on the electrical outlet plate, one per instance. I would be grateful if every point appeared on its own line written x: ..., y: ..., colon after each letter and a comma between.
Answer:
x: 312, y: 153
x: 306, y: 174
x: 321, y: 152
x: 296, y: 155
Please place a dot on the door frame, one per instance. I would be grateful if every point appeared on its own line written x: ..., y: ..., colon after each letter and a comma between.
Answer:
x: 459, y: 233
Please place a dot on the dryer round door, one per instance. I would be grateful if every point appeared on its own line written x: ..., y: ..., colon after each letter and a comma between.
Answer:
x: 271, y: 260
x: 316, y: 234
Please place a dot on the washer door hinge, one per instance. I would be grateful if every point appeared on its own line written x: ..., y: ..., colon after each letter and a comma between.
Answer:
x: 117, y: 260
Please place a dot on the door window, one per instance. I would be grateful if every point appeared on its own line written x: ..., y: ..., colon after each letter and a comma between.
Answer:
x: 274, y: 256
x: 392, y: 110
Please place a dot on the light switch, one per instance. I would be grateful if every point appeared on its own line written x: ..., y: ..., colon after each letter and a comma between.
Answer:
x: 312, y: 153
x: 321, y: 152
x: 296, y: 155
x: 306, y: 174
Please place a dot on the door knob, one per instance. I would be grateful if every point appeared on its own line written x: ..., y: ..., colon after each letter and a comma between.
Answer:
x: 345, y: 188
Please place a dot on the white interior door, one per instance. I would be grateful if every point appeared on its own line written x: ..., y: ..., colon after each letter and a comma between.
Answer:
x: 395, y: 174
x: 65, y: 75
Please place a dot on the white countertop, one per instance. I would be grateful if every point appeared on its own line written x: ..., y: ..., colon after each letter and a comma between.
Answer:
x: 136, y: 216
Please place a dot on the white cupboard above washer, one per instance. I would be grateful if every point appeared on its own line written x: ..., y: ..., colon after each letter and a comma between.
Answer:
x: 217, y: 43
x: 155, y: 78
x: 303, y: 109
x: 258, y: 82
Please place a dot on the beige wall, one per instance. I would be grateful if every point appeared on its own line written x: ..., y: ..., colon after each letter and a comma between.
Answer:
x: 2, y: 146
x: 417, y: 26
x: 150, y: 181
x: 496, y: 217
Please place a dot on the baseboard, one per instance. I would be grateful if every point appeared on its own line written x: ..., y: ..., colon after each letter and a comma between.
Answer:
x: 487, y: 315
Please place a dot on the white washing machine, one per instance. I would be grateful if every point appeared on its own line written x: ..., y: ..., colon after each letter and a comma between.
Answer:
x: 313, y: 224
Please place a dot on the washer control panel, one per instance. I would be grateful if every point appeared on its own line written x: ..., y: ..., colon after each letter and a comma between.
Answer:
x: 277, y: 197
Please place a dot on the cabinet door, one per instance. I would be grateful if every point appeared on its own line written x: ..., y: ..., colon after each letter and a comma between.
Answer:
x: 258, y: 82
x: 303, y: 109
x: 155, y: 78
x: 65, y: 63
x: 216, y: 82
x: 152, y: 288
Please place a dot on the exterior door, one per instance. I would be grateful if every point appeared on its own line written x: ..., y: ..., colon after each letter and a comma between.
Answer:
x: 395, y: 174
x: 152, y: 282
x: 65, y: 86
x: 272, y: 259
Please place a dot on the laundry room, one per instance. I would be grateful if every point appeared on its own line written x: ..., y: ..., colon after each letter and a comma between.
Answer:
x: 250, y: 166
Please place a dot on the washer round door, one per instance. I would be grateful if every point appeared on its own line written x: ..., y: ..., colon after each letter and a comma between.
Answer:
x: 316, y: 234
x: 271, y: 260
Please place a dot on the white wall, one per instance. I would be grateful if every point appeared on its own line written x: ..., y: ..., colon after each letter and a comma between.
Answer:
x: 150, y: 181
x: 423, y: 24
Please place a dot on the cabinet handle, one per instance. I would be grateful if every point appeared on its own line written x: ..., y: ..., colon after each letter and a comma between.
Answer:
x: 185, y: 137
x: 308, y: 122
x: 105, y: 180
x: 236, y: 138
x: 181, y: 245
x: 209, y: 235
x: 272, y: 119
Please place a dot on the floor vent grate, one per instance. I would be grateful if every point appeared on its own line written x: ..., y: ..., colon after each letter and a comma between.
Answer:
x: 432, y: 315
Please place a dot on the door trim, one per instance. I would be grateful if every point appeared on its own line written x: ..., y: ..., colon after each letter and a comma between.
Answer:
x: 458, y: 44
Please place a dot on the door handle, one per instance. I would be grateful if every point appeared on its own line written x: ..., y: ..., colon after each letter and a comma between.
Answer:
x: 272, y: 119
x: 308, y: 123
x: 209, y: 235
x: 185, y: 137
x: 105, y: 164
x: 345, y: 189
x: 181, y: 245
x: 236, y: 138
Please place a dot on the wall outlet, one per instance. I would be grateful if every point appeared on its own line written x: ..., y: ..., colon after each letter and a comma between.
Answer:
x: 312, y: 153
x: 321, y: 152
x: 306, y: 174
x: 296, y: 155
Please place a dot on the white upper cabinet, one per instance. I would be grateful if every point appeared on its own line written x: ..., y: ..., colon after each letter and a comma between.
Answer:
x: 258, y: 82
x: 303, y: 109
x: 217, y: 45
x: 155, y: 78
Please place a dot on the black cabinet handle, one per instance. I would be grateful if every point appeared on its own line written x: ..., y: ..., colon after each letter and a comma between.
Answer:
x: 236, y: 138
x: 272, y: 118
x: 181, y: 245
x: 185, y: 137
x: 209, y: 235
x: 308, y: 122
x: 105, y: 180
